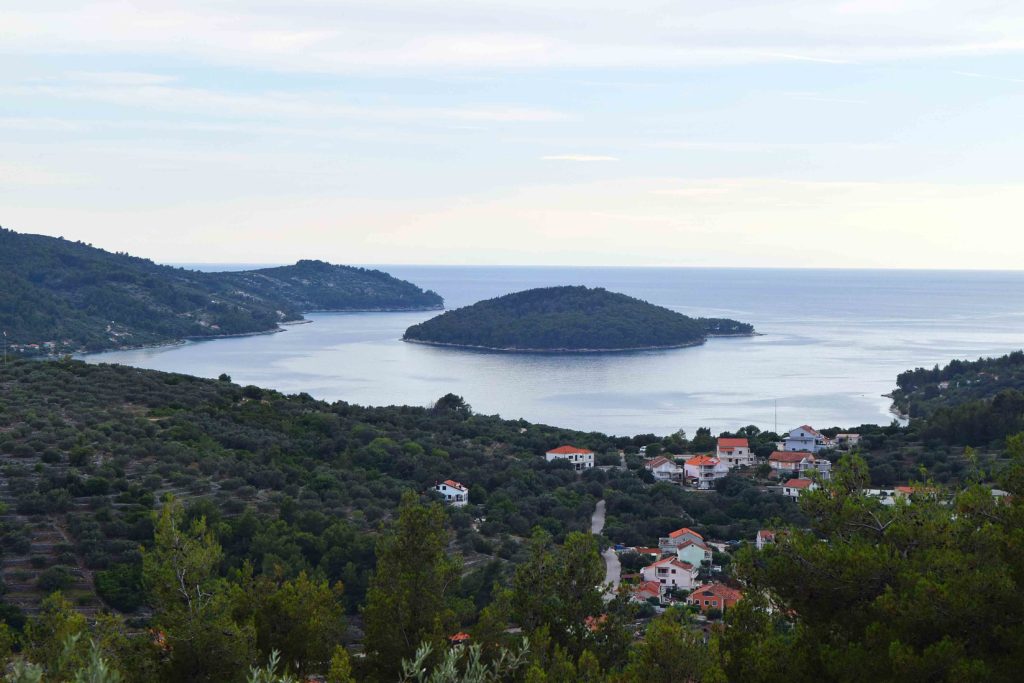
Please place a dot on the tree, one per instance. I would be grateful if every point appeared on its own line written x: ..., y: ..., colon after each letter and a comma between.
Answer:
x: 302, y: 619
x: 48, y: 634
x: 407, y: 603
x: 195, y: 607
x: 671, y: 652
x: 559, y: 588
x: 456, y: 405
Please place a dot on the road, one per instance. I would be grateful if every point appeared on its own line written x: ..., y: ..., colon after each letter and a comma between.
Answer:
x: 612, y: 568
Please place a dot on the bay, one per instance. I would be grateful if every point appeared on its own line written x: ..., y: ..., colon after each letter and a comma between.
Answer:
x: 831, y: 344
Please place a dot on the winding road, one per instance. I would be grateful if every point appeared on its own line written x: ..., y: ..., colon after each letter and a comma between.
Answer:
x: 612, y: 568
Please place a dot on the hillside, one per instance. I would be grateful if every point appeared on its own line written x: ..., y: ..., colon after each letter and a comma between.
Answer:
x: 70, y: 296
x: 569, y: 319
x: 920, y: 392
x: 87, y: 451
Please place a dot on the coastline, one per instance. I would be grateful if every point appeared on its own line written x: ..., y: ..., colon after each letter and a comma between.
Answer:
x: 279, y: 327
x: 494, y: 349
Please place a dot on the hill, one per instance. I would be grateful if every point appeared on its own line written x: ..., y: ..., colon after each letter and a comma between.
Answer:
x: 569, y: 319
x: 71, y: 296
x: 920, y: 392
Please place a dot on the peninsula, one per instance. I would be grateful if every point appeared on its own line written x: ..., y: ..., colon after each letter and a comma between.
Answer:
x: 569, y: 319
x: 59, y: 296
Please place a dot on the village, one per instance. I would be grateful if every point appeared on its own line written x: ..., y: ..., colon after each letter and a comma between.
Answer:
x: 683, y: 568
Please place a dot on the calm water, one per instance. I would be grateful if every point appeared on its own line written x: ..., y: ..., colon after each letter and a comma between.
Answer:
x: 833, y: 343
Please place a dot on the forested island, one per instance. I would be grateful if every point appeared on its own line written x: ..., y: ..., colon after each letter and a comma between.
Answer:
x: 569, y: 319
x: 63, y: 296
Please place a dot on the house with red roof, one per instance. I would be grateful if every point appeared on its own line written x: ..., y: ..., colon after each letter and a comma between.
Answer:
x: 694, y: 552
x: 670, y: 544
x: 734, y: 452
x: 764, y: 537
x: 806, y: 438
x: 671, y: 573
x: 664, y: 469
x: 794, y: 488
x: 703, y: 471
x: 581, y: 458
x: 453, y: 492
x: 714, y: 596
x: 646, y: 590
x: 799, y: 463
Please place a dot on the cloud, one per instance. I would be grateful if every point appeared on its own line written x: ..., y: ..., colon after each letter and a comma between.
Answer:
x: 473, y: 35
x: 990, y: 77
x: 261, y: 105
x: 578, y: 157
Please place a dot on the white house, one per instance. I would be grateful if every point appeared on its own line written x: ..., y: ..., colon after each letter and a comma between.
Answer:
x: 734, y: 452
x: 672, y: 542
x: 764, y: 538
x: 702, y: 471
x: 453, y: 492
x: 795, y: 487
x: 806, y: 439
x: 694, y: 552
x: 580, y: 458
x: 670, y: 573
x: 664, y: 469
x: 799, y: 464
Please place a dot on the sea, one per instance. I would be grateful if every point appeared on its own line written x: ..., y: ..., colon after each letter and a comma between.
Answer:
x: 829, y: 348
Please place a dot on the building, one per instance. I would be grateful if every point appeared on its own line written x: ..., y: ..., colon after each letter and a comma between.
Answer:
x: 794, y: 488
x: 664, y: 469
x: 847, y: 441
x: 671, y: 573
x: 671, y: 543
x: 581, y: 458
x: 782, y: 462
x: 703, y: 470
x: 734, y: 452
x: 453, y: 492
x: 694, y: 552
x: 714, y: 596
x: 646, y: 590
x: 764, y: 538
x: 806, y: 439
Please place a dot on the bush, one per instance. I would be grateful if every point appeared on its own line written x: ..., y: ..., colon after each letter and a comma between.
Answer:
x: 56, y: 578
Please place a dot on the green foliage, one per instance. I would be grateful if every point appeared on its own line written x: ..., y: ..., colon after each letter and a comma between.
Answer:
x: 196, y: 609
x: 408, y: 603
x: 925, y: 590
x: 53, y: 290
x: 568, y: 319
x: 464, y: 665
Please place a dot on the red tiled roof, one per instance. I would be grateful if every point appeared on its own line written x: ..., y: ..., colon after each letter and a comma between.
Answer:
x: 454, y: 484
x: 798, y: 483
x: 657, y: 462
x: 674, y: 561
x: 905, y: 489
x: 766, y: 534
x: 789, y: 456
x: 717, y: 590
x: 702, y: 460
x: 459, y: 637
x: 685, y: 530
x: 648, y: 551
x: 729, y: 444
x: 651, y: 588
x: 569, y: 450
x: 694, y: 543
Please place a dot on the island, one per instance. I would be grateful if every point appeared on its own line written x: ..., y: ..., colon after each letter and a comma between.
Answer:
x: 573, y: 319
x: 59, y: 296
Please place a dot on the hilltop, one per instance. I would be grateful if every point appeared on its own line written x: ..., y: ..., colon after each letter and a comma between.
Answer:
x: 68, y: 296
x: 574, y: 319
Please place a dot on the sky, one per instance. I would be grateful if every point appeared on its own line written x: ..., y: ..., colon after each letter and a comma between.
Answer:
x: 845, y: 134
